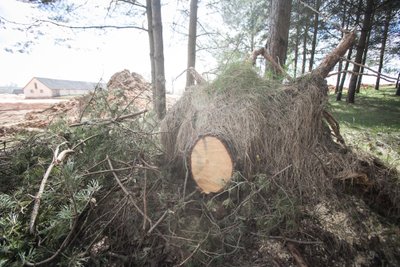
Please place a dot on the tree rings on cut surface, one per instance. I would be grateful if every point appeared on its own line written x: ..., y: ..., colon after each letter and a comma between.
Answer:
x: 211, y: 164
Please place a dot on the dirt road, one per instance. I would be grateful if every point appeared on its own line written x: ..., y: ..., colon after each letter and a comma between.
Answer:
x: 14, y: 107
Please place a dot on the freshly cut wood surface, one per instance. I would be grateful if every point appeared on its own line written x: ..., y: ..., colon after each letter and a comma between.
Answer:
x: 211, y: 164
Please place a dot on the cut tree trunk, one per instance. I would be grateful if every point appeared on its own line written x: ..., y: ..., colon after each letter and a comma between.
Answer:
x: 211, y: 164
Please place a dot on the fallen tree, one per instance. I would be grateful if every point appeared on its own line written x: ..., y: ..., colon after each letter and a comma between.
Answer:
x: 241, y: 122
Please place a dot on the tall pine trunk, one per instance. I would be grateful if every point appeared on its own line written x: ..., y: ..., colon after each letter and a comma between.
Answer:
x: 149, y: 14
x: 279, y: 23
x: 340, y: 91
x: 383, y: 45
x: 360, y: 50
x: 303, y: 66
x: 159, y: 96
x: 398, y: 85
x: 296, y: 45
x: 191, y: 57
x: 315, y: 33
x: 349, y: 54
x: 344, y: 22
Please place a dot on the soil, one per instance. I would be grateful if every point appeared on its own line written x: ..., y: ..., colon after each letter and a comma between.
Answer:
x: 13, y: 108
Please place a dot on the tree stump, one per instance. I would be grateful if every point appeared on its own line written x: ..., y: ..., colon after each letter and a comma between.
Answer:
x: 211, y: 164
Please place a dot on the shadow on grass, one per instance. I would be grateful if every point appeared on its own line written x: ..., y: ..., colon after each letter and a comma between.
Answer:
x: 373, y: 110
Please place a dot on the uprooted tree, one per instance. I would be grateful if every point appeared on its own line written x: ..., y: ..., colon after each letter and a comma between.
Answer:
x: 243, y: 122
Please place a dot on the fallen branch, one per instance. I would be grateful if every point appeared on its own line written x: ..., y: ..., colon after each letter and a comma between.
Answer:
x: 109, y: 120
x: 358, y: 73
x: 368, y: 68
x: 331, y: 59
x: 57, y: 159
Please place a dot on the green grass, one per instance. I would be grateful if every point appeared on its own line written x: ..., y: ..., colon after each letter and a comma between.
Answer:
x: 372, y: 123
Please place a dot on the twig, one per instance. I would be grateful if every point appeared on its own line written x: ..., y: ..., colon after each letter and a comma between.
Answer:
x: 285, y: 239
x: 57, y: 159
x: 159, y: 221
x: 89, y: 102
x: 84, y: 140
x: 263, y: 51
x: 193, y: 252
x: 145, y: 200
x: 129, y: 195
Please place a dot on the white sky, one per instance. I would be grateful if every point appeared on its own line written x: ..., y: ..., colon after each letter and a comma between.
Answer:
x: 89, y: 55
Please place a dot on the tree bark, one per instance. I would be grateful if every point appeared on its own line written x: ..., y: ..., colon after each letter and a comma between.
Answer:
x: 360, y: 50
x: 364, y: 58
x: 315, y: 33
x: 279, y: 23
x: 159, y: 96
x: 191, y: 60
x: 343, y: 79
x: 332, y: 59
x: 303, y: 66
x: 296, y: 48
x: 149, y: 14
x: 383, y: 45
x: 344, y: 22
x: 398, y: 85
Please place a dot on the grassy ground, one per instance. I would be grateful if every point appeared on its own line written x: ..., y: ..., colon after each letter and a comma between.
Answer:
x: 372, y: 123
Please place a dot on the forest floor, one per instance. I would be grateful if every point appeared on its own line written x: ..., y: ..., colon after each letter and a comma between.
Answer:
x: 372, y: 123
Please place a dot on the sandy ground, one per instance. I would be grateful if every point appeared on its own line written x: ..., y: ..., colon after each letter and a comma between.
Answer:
x: 14, y: 107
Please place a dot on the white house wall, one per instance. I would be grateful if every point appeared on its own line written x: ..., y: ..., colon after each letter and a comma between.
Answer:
x: 65, y: 92
x: 35, y: 89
